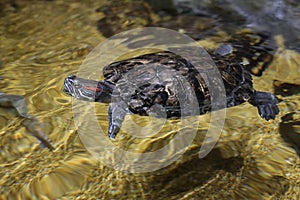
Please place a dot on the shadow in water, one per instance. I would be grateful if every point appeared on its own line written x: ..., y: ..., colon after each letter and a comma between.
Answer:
x: 285, y: 89
x: 289, y: 130
x: 194, y: 173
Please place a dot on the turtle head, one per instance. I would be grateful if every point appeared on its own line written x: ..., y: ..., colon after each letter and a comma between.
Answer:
x: 88, y: 90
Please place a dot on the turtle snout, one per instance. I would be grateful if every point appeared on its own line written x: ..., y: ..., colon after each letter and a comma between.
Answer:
x: 69, y: 80
x: 68, y: 84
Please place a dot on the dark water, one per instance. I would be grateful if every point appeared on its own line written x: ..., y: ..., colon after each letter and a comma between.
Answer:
x: 42, y: 42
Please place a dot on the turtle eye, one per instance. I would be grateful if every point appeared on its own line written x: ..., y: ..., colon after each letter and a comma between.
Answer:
x: 76, y: 84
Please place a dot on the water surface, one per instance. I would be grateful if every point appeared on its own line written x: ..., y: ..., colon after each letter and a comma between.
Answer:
x: 42, y: 42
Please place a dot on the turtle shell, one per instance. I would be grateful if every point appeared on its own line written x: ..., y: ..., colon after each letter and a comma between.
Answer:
x: 153, y: 76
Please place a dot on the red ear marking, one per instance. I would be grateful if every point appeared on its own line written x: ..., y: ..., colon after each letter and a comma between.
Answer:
x: 95, y: 89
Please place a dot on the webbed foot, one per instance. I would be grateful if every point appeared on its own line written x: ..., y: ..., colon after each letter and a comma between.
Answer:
x: 266, y: 104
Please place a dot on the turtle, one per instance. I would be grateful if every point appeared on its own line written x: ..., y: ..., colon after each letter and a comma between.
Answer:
x: 236, y: 78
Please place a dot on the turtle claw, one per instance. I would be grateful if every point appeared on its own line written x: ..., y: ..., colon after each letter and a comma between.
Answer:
x: 266, y: 104
x: 113, y: 131
x: 267, y: 111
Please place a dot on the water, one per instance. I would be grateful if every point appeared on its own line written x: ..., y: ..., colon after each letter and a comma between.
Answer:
x: 42, y: 42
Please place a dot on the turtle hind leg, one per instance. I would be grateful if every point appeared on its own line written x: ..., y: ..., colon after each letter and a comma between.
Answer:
x: 266, y: 104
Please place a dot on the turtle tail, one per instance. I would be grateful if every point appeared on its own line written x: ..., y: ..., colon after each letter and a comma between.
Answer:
x: 266, y: 104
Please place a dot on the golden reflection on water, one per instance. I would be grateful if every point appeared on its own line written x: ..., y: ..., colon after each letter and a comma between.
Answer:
x: 43, y: 42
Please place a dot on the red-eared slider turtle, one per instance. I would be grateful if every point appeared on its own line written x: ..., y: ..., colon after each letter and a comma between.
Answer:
x: 237, y: 81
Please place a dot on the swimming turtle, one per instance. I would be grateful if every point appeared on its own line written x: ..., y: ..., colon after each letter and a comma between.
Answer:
x: 237, y: 81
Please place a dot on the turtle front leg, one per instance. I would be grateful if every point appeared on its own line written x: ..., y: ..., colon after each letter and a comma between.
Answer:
x: 116, y: 115
x: 266, y: 104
